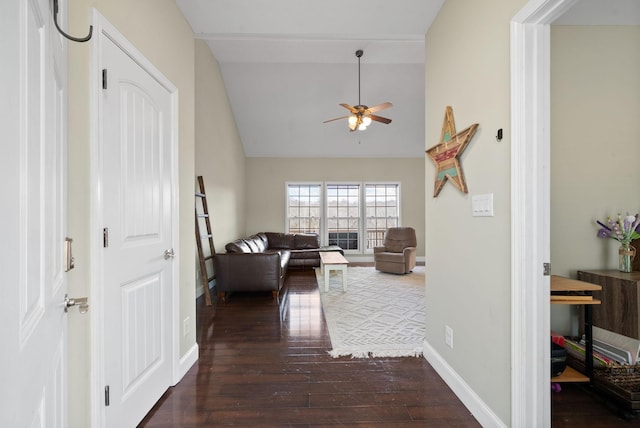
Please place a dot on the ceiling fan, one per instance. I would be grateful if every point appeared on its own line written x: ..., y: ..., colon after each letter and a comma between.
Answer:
x: 361, y: 115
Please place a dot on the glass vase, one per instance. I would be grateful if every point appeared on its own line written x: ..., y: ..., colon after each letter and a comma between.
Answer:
x: 626, y: 254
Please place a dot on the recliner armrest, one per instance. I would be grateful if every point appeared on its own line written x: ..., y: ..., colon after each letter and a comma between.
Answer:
x: 408, y: 250
x: 379, y: 249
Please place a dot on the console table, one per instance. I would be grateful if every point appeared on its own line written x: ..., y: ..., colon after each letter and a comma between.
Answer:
x: 333, y: 260
x: 620, y: 295
x: 620, y: 313
x: 565, y: 291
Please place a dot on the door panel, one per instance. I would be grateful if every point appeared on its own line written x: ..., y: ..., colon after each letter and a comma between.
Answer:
x: 141, y: 166
x: 137, y: 203
x: 32, y: 291
x: 142, y: 335
x: 33, y: 217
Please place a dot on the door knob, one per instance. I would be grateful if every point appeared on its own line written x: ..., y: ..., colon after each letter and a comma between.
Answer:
x: 169, y: 254
x: 80, y: 302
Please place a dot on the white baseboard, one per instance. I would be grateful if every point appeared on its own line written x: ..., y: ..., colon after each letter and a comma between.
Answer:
x: 469, y: 398
x: 369, y: 259
x: 186, y: 362
x: 355, y: 258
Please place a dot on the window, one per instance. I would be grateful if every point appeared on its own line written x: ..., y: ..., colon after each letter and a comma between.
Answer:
x: 381, y: 212
x: 346, y: 216
x: 304, y: 208
x: 343, y: 215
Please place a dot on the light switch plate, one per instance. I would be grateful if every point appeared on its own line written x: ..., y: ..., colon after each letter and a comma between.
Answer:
x: 482, y: 205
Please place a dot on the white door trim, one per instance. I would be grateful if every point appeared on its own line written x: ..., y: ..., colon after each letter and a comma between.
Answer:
x: 102, y: 28
x: 530, y: 211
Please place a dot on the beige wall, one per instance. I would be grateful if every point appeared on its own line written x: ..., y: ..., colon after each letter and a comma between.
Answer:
x: 220, y: 156
x: 595, y: 123
x: 468, y: 282
x: 266, y: 178
x: 158, y: 30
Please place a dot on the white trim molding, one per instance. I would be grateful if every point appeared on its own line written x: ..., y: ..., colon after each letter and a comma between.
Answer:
x: 530, y: 211
x: 463, y: 391
x: 186, y: 362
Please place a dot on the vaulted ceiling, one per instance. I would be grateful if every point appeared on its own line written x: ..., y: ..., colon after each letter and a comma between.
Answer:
x: 287, y: 64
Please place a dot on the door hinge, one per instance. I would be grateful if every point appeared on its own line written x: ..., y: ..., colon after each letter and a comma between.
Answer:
x: 105, y: 237
x: 106, y: 395
x: 104, y: 78
x: 547, y: 269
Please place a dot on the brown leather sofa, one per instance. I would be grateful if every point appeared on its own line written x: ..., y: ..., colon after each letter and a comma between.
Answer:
x: 260, y: 262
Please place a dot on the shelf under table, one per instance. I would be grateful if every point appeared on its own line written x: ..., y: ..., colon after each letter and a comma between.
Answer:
x: 570, y: 375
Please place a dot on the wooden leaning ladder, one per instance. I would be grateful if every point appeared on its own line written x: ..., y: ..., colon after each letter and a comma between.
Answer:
x: 205, y: 277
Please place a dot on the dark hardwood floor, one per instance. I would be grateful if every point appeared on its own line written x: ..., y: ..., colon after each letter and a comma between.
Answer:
x: 577, y: 405
x: 264, y: 364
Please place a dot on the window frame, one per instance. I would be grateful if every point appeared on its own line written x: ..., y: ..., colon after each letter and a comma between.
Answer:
x: 359, y: 229
x: 287, y: 218
x: 398, y: 186
x: 323, y: 220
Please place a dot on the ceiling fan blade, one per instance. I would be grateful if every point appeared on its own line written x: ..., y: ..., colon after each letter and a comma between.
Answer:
x: 337, y: 118
x: 380, y: 119
x: 380, y: 107
x: 350, y: 108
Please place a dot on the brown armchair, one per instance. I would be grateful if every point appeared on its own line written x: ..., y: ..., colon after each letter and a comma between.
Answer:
x: 398, y: 255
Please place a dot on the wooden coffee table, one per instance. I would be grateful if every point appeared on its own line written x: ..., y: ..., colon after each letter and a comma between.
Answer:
x: 333, y: 260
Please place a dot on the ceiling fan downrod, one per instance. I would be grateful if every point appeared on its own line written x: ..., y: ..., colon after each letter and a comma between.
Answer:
x: 359, y: 53
x: 359, y: 119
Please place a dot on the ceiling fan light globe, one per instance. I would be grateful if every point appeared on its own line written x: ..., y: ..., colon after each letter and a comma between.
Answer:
x: 366, y: 121
x: 353, y: 120
x: 362, y: 127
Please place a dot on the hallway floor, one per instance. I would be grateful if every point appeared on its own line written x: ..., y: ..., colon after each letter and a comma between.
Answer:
x: 264, y: 364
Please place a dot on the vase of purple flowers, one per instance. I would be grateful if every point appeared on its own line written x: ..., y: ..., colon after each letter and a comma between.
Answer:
x: 624, y: 230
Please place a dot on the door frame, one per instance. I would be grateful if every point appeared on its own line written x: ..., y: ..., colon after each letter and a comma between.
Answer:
x: 530, y: 210
x: 104, y: 29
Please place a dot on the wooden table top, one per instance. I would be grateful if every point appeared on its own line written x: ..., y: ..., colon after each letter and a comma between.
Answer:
x: 333, y: 258
x: 632, y: 276
x: 560, y: 283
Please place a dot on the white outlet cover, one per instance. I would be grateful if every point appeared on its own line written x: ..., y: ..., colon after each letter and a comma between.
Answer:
x: 448, y: 336
x: 186, y: 326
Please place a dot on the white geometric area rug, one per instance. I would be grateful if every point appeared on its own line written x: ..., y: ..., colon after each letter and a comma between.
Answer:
x: 380, y: 314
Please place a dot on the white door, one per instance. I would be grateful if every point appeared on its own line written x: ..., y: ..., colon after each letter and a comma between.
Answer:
x: 33, y: 217
x: 136, y: 176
